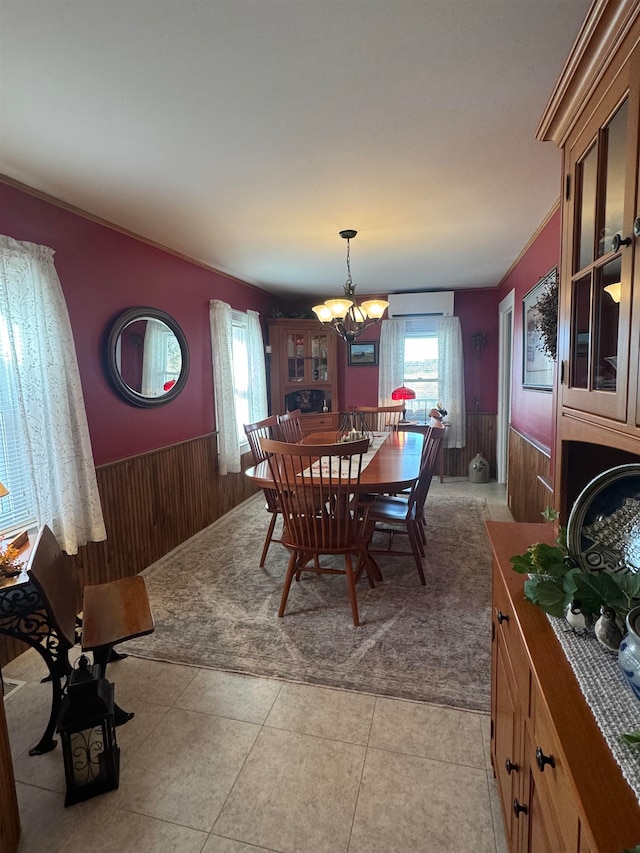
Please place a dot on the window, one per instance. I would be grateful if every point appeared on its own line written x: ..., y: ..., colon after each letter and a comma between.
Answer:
x: 421, y: 367
x: 16, y: 508
x: 45, y: 449
x: 240, y: 366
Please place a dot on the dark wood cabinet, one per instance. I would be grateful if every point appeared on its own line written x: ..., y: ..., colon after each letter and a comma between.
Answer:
x: 560, y: 788
x: 303, y: 372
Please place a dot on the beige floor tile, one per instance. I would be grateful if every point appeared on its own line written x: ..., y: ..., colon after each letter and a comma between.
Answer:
x: 335, y: 714
x: 44, y: 771
x: 217, y: 844
x: 485, y: 726
x: 135, y: 732
x: 185, y: 769
x: 496, y: 812
x: 500, y: 513
x: 295, y: 794
x: 228, y: 694
x: 109, y: 830
x: 412, y: 805
x: 27, y: 712
x: 429, y: 731
x: 46, y: 823
x: 139, y: 679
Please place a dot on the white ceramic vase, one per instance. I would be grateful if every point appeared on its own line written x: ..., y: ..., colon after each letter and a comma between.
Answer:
x: 629, y: 652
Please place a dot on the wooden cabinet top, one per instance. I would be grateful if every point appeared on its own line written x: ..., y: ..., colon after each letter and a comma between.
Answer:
x: 607, y: 803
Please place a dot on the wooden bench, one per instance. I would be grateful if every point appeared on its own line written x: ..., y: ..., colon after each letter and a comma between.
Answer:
x: 111, y: 613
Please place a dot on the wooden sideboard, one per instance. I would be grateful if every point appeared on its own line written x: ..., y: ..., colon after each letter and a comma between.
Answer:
x: 560, y: 788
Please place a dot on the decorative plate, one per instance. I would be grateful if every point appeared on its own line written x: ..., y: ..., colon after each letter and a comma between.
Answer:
x: 603, y: 531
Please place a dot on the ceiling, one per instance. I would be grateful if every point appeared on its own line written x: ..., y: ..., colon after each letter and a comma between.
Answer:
x: 246, y: 134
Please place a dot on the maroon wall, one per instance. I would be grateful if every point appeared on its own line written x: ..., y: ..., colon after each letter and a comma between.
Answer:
x: 477, y: 309
x: 532, y: 412
x: 104, y: 272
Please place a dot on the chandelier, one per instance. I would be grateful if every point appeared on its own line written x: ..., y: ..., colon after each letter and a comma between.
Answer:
x: 345, y: 316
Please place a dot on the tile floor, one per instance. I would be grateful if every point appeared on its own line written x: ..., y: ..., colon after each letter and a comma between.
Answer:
x: 222, y: 763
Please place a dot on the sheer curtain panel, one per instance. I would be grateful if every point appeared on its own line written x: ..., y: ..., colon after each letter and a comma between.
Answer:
x: 37, y: 348
x: 221, y: 324
x: 391, y: 359
x: 258, y: 407
x: 451, y: 374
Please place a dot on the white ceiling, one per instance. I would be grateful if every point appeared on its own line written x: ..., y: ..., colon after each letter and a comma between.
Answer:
x: 246, y: 133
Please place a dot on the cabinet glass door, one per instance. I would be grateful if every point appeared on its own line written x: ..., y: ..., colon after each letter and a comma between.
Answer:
x: 599, y: 299
x: 295, y: 357
x: 319, y: 358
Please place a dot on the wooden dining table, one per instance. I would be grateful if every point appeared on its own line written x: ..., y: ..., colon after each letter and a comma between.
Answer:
x: 394, y: 467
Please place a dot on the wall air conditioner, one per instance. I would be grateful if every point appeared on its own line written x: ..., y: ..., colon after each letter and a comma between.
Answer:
x: 426, y: 304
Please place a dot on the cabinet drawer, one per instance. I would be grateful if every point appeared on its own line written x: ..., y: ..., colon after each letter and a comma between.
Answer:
x: 322, y: 422
x: 506, y: 624
x: 553, y: 780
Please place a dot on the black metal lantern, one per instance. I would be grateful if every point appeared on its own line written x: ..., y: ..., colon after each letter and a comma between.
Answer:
x: 87, y: 728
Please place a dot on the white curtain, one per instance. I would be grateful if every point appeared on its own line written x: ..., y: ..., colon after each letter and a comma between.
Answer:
x: 153, y: 360
x: 391, y: 359
x: 451, y: 374
x: 35, y: 334
x: 220, y: 321
x: 258, y: 406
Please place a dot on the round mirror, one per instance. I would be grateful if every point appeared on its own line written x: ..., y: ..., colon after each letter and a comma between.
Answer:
x: 147, y: 357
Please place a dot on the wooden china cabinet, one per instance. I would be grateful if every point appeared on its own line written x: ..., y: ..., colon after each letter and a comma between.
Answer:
x: 594, y: 116
x: 303, y: 372
x: 560, y: 788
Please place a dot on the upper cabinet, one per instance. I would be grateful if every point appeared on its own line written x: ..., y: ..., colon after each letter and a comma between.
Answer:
x: 303, y: 366
x: 601, y: 175
x: 593, y: 116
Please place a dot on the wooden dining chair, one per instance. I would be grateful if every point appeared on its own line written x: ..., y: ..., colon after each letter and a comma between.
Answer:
x: 291, y: 426
x: 318, y: 487
x: 266, y: 428
x: 382, y: 418
x: 392, y: 514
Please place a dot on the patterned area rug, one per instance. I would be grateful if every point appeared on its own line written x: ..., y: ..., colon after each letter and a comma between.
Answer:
x: 214, y: 607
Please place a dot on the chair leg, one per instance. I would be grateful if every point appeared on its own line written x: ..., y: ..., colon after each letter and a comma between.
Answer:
x: 351, y: 584
x: 291, y: 570
x: 268, y: 537
x: 415, y: 541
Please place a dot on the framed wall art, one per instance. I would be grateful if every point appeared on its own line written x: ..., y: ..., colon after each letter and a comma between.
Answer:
x: 537, y: 364
x: 362, y: 354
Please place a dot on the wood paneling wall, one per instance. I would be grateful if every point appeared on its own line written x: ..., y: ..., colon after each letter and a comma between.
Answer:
x: 481, y: 438
x: 529, y: 489
x: 151, y: 503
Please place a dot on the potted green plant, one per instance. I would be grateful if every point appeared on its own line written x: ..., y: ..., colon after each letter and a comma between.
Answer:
x: 555, y: 581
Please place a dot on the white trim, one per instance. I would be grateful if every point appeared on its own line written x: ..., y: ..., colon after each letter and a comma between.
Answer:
x: 505, y: 364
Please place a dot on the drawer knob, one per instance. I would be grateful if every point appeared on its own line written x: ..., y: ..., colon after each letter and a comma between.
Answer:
x: 542, y: 760
x: 519, y: 809
x: 510, y: 766
x: 501, y: 617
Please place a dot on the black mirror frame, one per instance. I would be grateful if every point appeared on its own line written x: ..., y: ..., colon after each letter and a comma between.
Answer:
x: 116, y: 329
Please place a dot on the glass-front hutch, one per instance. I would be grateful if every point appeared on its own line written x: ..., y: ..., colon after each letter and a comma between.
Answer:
x: 303, y: 369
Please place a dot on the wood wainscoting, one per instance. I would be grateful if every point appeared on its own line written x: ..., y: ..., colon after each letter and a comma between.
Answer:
x: 481, y: 438
x: 529, y: 489
x: 151, y: 503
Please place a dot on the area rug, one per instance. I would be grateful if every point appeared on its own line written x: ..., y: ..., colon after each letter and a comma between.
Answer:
x: 215, y: 607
